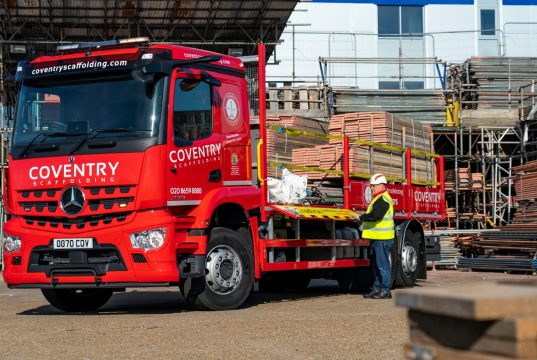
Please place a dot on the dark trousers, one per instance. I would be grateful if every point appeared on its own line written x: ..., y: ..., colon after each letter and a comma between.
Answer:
x: 383, y: 269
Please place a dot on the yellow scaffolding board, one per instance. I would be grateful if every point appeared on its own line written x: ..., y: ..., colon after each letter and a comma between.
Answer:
x: 316, y: 213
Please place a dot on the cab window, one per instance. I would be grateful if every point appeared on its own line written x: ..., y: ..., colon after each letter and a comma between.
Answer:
x: 192, y: 112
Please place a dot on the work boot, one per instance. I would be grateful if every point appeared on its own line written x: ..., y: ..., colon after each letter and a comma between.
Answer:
x: 382, y: 295
x: 371, y: 293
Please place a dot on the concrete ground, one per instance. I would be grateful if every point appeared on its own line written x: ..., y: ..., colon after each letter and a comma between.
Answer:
x: 318, y: 323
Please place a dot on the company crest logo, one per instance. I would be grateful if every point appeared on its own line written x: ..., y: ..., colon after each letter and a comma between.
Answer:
x: 231, y: 109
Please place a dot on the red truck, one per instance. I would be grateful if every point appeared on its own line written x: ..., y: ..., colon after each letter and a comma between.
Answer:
x: 131, y: 166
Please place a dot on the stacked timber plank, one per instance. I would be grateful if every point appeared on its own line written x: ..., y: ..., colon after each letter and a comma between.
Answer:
x: 426, y: 105
x: 451, y: 213
x: 477, y: 181
x: 382, y: 128
x: 465, y: 177
x: 513, y: 246
x: 520, y: 241
x: 525, y: 215
x: 509, y: 249
x: 478, y: 322
x: 465, y: 241
x: 449, y: 252
x: 497, y: 80
x: 378, y: 127
x: 526, y: 181
x: 280, y: 146
x: 512, y: 264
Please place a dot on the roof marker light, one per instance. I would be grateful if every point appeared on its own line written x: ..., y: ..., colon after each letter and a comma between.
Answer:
x: 141, y: 39
x: 101, y: 44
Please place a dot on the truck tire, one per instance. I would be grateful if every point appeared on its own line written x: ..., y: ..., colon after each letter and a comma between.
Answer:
x: 405, y: 266
x: 229, y: 273
x: 77, y: 299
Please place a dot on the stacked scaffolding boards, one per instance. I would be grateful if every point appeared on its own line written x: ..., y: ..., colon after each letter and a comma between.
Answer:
x: 449, y: 252
x: 386, y: 129
x: 281, y: 146
x: 525, y: 182
x: 462, y: 175
x: 513, y: 246
x: 425, y: 105
x: 467, y: 179
x: 375, y: 140
x: 382, y: 128
x: 493, y: 82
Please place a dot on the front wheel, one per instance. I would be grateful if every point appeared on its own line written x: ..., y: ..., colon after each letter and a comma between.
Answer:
x: 228, y: 276
x: 77, y: 299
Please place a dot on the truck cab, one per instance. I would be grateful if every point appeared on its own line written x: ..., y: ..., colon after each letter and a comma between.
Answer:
x: 123, y: 155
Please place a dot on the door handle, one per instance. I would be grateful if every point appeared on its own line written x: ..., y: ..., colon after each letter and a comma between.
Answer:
x: 215, y: 176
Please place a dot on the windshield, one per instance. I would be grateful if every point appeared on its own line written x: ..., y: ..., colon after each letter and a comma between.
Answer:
x: 62, y: 112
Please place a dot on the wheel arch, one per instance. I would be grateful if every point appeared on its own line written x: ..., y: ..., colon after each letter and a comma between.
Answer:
x: 417, y: 228
x: 229, y: 215
x: 235, y: 217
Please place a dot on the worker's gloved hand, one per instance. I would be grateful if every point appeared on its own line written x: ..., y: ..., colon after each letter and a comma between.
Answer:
x: 359, y: 223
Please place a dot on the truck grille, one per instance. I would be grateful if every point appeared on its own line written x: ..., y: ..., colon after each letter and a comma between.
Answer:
x: 77, y: 223
x: 95, y: 190
x: 109, y: 203
x: 102, y: 199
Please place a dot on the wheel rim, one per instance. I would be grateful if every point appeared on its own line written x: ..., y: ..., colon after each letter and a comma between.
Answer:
x: 223, y: 272
x: 409, y: 259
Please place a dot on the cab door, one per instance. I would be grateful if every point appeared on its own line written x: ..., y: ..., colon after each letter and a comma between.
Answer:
x: 194, y: 141
x: 235, y: 132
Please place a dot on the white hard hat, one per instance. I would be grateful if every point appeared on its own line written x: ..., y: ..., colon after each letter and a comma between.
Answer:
x: 378, y: 179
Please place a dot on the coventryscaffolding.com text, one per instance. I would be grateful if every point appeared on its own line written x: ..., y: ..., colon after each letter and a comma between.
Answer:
x: 80, y: 65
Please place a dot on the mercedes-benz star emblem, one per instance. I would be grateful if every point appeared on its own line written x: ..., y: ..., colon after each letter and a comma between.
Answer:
x: 72, y: 200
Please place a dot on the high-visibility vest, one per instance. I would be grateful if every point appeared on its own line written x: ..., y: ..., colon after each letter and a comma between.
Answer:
x: 383, y: 229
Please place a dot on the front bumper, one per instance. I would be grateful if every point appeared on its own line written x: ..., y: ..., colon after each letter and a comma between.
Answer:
x: 112, y: 262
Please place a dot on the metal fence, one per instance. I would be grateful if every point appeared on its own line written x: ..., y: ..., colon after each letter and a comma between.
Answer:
x: 298, y: 53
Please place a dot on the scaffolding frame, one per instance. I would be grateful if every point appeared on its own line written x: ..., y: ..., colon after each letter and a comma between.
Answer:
x: 488, y: 150
x: 497, y: 162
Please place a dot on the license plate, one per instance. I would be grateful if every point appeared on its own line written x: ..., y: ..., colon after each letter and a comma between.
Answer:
x: 81, y: 243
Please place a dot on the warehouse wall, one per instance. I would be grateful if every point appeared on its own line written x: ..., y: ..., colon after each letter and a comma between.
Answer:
x: 453, y: 27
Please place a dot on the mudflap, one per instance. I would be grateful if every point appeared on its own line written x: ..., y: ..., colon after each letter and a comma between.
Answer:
x: 421, y: 272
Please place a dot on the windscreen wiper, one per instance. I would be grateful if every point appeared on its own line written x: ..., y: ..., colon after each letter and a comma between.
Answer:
x: 93, y: 134
x: 45, y: 136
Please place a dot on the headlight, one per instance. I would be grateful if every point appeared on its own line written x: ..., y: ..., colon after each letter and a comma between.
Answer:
x: 149, y: 239
x: 11, y: 243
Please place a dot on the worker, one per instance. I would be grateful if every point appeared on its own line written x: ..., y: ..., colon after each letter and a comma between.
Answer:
x: 379, y: 228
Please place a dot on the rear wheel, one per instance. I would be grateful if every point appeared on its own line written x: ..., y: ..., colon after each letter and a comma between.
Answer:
x: 406, y: 266
x: 77, y: 299
x: 228, y: 276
